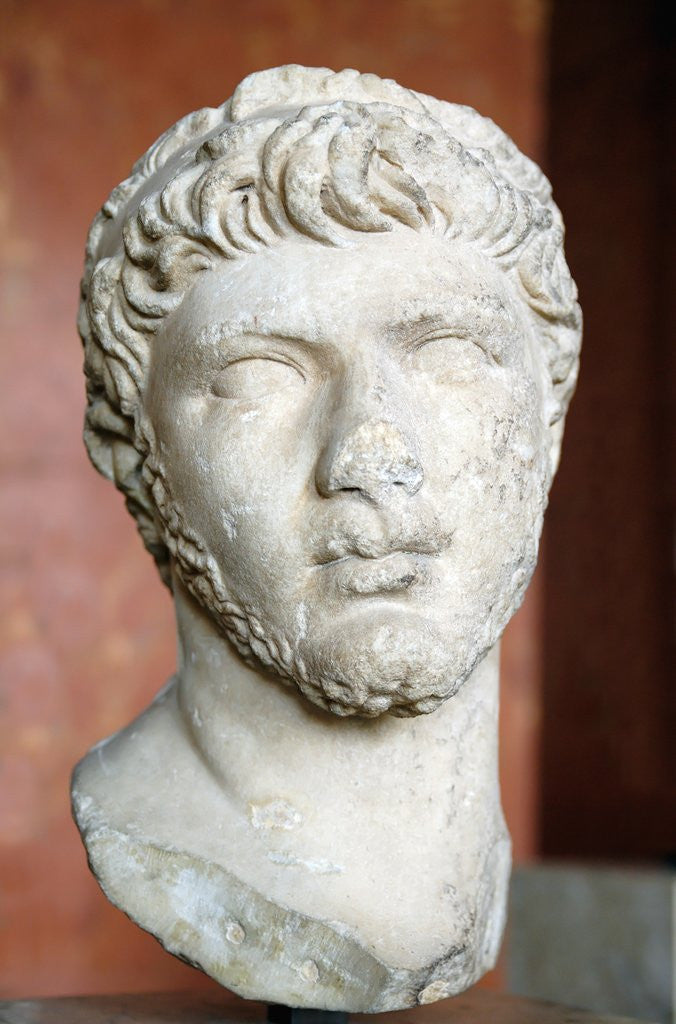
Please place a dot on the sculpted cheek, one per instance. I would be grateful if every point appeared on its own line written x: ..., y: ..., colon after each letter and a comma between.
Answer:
x: 467, y: 432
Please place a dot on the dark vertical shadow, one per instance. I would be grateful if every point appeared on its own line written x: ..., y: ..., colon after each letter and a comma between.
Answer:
x: 609, y: 728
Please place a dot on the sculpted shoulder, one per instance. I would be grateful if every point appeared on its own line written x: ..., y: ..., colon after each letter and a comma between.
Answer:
x: 130, y: 774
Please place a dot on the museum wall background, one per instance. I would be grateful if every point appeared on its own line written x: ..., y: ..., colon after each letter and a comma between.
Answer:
x: 86, y: 635
x: 608, y: 768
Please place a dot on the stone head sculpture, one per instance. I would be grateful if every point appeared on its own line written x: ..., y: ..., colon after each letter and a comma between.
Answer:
x: 330, y: 338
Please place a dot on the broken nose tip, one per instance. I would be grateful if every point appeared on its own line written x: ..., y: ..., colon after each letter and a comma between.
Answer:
x: 374, y: 458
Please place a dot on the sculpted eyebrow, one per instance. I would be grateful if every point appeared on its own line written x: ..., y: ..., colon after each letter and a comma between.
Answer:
x: 404, y: 327
x: 295, y: 337
x: 224, y: 332
x: 460, y: 318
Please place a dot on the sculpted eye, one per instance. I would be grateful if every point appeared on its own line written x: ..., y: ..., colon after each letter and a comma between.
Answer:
x: 450, y: 360
x: 255, y: 377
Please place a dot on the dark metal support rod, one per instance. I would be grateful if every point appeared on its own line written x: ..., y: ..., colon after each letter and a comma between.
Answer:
x: 290, y: 1015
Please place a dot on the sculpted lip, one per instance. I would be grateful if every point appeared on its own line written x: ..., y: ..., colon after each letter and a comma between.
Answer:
x: 396, y: 571
x: 369, y: 549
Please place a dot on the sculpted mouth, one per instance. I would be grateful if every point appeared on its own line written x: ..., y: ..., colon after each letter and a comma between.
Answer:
x: 370, y: 550
x: 368, y: 556
x: 369, y: 574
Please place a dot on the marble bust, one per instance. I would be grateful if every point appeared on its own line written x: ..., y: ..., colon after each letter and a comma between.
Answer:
x: 330, y: 339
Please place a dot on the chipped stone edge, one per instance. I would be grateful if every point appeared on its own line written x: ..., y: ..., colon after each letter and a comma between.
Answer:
x: 206, y: 916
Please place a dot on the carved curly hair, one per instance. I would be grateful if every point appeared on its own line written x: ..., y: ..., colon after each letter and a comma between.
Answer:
x: 302, y: 150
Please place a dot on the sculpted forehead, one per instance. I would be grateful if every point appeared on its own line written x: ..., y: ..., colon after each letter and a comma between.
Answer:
x: 313, y: 292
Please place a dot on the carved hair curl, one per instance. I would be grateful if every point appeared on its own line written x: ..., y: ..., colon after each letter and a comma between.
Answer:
x: 302, y: 150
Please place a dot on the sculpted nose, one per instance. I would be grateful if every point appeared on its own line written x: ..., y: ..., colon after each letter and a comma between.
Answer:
x: 374, y: 458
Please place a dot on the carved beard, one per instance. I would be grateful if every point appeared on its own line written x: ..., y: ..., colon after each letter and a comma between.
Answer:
x: 406, y: 672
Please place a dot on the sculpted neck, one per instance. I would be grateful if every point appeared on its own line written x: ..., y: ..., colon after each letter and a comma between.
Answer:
x: 267, y: 745
x: 385, y: 835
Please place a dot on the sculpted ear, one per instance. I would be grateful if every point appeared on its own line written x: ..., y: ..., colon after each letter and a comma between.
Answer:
x: 563, y: 366
x: 556, y: 438
x: 552, y: 295
x: 113, y: 449
x: 111, y: 434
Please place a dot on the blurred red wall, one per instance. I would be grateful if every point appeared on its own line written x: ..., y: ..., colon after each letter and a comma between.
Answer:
x: 86, y: 633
